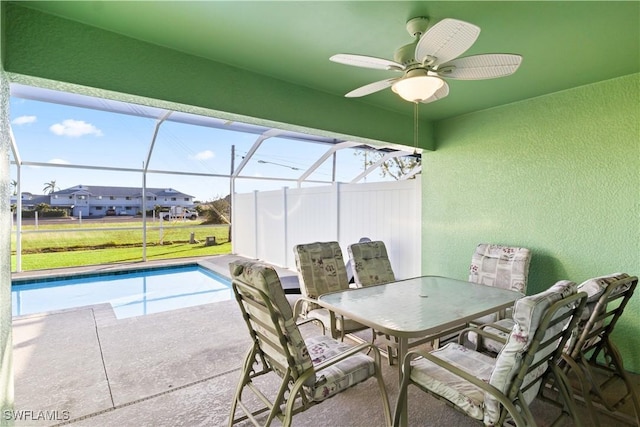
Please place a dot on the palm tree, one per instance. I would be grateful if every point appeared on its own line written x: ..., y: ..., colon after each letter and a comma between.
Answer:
x: 50, y: 187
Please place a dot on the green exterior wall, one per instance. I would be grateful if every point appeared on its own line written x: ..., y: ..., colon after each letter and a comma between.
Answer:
x: 559, y: 174
x: 6, y: 340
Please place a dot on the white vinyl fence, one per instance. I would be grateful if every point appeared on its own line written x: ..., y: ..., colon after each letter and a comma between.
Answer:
x: 267, y: 225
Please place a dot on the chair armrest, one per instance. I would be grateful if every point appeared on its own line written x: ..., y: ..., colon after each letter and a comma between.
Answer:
x: 495, y: 326
x: 482, y: 334
x: 297, y: 307
x: 488, y: 388
x: 305, y: 321
x: 353, y: 350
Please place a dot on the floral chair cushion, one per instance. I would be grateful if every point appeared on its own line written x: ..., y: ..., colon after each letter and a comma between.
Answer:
x: 371, y: 265
x: 321, y: 269
x: 594, y: 288
x: 527, y: 314
x: 307, y: 354
x: 499, y: 371
x: 494, y: 345
x: 462, y: 393
x: 342, y: 375
x: 265, y: 279
x: 597, y: 286
x: 504, y: 267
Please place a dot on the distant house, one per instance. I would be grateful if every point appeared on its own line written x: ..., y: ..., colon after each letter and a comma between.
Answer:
x: 99, y: 200
x: 30, y: 201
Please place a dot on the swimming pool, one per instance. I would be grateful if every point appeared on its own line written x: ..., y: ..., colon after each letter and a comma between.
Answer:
x: 130, y: 293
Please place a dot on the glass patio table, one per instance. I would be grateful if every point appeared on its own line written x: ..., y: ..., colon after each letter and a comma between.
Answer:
x: 421, y: 307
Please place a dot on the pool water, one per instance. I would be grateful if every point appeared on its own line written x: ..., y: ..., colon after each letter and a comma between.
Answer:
x: 131, y: 293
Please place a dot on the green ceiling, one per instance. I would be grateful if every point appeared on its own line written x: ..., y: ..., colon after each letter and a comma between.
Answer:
x: 564, y: 44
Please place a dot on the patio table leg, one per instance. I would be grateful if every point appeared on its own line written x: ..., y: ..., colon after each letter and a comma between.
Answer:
x: 403, y: 348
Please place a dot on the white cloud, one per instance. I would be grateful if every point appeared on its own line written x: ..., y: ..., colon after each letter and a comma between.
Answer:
x: 75, y: 128
x: 24, y: 120
x: 58, y: 162
x: 204, y: 155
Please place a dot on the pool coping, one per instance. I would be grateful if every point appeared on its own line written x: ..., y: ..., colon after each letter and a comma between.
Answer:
x: 218, y: 264
x: 98, y: 269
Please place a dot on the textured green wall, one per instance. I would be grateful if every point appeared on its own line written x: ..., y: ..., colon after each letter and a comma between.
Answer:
x: 559, y: 174
x: 6, y: 340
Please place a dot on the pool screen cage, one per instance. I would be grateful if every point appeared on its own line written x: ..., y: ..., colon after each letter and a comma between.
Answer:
x: 164, y: 112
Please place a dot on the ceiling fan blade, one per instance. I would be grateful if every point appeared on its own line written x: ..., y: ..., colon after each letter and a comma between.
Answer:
x: 480, y: 67
x: 440, y: 93
x: 371, y: 88
x: 446, y: 40
x: 367, y: 62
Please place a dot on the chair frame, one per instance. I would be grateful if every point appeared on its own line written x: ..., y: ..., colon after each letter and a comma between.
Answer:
x: 595, y: 354
x: 513, y: 403
x: 291, y: 397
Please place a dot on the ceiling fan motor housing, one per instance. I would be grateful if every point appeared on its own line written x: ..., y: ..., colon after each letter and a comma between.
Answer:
x: 405, y: 54
x: 417, y: 26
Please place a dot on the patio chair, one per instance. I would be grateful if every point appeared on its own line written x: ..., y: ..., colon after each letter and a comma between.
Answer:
x: 505, y: 267
x: 349, y: 265
x: 321, y: 269
x: 593, y: 358
x: 493, y: 389
x: 310, y: 370
x: 370, y: 263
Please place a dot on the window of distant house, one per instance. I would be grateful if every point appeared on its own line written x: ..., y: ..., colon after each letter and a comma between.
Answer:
x: 173, y: 199
x: 128, y: 198
x: 149, y: 198
x: 98, y: 208
x: 186, y: 199
x: 71, y: 197
x: 82, y: 197
x: 112, y: 197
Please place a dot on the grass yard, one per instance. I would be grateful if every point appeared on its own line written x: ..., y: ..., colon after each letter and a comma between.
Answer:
x: 65, y: 244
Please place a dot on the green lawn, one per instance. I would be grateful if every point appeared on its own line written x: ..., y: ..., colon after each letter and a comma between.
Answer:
x: 68, y: 244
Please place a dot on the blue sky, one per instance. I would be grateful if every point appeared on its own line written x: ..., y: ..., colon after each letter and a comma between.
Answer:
x: 60, y: 134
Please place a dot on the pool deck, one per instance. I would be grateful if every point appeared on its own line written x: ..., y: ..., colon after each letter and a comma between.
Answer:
x: 84, y: 367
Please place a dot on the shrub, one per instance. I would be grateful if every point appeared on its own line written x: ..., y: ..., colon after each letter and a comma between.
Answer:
x: 50, y: 213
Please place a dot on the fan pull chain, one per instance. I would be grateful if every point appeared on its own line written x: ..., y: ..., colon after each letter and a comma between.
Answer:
x: 415, y: 128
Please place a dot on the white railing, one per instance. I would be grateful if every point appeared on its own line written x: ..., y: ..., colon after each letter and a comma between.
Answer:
x: 266, y: 225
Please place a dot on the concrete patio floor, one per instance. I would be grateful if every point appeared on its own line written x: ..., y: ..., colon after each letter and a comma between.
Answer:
x: 84, y: 367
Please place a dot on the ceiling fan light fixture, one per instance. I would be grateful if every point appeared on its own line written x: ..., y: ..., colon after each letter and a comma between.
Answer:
x: 417, y: 86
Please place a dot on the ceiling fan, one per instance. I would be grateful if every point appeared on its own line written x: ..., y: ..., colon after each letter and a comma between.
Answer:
x: 431, y: 58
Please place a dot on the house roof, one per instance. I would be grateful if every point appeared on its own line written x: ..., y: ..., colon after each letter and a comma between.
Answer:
x: 30, y: 199
x: 107, y: 191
